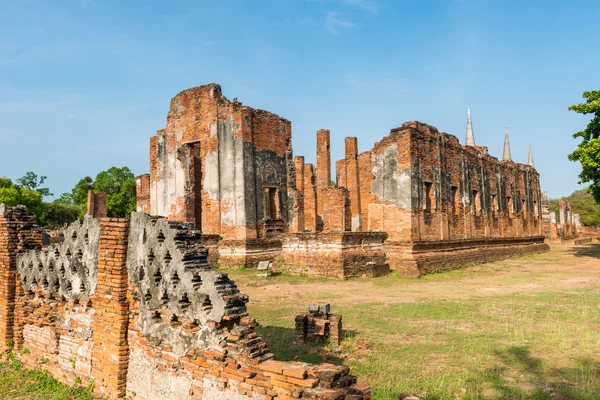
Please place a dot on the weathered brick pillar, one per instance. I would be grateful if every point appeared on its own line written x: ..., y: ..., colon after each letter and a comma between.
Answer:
x: 142, y: 190
x: 323, y: 165
x: 336, y: 209
x: 553, y: 227
x: 353, y: 182
x: 335, y: 329
x: 299, y: 164
x: 18, y: 232
x: 111, y: 351
x: 310, y: 199
x: 96, y: 205
x: 297, y: 223
x: 340, y: 173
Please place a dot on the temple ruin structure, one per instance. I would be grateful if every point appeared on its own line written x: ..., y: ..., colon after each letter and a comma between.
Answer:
x: 417, y: 202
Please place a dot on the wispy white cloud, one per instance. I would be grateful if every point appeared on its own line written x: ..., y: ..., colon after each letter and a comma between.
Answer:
x: 335, y: 21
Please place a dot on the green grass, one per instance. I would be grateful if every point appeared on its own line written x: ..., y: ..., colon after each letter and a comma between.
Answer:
x: 540, y: 347
x: 19, y: 383
x: 538, y: 344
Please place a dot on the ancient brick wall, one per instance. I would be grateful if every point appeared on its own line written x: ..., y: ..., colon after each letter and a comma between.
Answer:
x: 142, y: 191
x: 97, y: 206
x: 135, y: 306
x: 229, y: 170
x: 340, y: 255
x: 420, y: 185
x: 218, y: 164
x: 18, y: 233
x: 336, y: 212
x: 54, y: 311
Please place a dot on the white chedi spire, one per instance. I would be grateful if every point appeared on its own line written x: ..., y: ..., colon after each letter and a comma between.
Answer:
x: 506, y: 155
x: 530, y: 158
x: 470, y: 137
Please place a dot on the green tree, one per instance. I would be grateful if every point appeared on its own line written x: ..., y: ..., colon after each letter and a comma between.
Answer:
x: 588, y: 150
x: 13, y: 195
x: 32, y: 182
x: 58, y: 214
x: 5, y: 183
x: 582, y: 203
x: 119, y: 186
x: 65, y: 198
x: 79, y: 193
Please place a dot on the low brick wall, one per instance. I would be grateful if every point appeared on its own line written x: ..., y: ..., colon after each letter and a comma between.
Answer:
x: 339, y: 255
x: 419, y: 258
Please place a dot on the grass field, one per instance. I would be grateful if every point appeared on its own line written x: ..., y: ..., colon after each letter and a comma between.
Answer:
x: 527, y: 328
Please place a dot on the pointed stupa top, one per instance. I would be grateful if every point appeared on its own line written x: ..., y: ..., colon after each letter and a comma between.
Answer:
x: 506, y: 155
x: 470, y: 136
x: 530, y: 159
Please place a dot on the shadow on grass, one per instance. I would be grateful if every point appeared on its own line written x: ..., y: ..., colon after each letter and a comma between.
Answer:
x: 282, y: 343
x: 588, y: 250
x: 522, y: 376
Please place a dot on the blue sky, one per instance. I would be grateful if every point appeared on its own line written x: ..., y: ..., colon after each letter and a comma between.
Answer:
x: 85, y: 83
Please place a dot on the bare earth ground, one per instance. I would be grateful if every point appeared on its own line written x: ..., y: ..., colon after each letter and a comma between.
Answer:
x: 523, y: 328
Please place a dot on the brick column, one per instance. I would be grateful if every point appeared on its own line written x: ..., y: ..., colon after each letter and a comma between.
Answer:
x: 111, y: 351
x: 142, y: 190
x: 340, y: 173
x: 335, y: 328
x: 96, y: 205
x: 310, y: 199
x: 352, y: 181
x: 18, y: 232
x: 299, y: 164
x: 323, y: 165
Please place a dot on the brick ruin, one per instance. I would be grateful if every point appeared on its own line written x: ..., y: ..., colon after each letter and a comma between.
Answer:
x: 566, y: 227
x: 135, y: 306
x: 318, y: 323
x: 418, y: 202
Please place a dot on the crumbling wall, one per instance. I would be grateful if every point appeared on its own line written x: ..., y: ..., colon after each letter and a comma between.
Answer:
x: 420, y: 185
x: 336, y: 254
x: 96, y: 205
x: 142, y: 191
x: 138, y: 310
x: 211, y: 165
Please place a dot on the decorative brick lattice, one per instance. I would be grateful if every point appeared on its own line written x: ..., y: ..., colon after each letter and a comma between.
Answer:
x: 68, y: 269
x: 182, y: 298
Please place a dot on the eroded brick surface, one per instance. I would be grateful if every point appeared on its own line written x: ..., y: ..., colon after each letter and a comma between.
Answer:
x: 229, y: 170
x: 152, y: 320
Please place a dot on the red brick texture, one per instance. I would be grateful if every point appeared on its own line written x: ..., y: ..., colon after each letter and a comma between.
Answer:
x: 97, y: 333
x: 110, y: 352
x: 229, y: 170
x: 97, y: 206
x: 142, y: 190
x: 18, y: 233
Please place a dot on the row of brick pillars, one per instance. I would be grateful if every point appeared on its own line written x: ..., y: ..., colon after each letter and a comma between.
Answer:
x: 315, y: 182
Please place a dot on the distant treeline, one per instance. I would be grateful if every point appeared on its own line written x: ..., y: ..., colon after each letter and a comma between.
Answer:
x: 117, y: 183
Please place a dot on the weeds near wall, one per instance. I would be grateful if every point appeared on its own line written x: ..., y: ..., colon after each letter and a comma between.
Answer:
x: 17, y: 382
